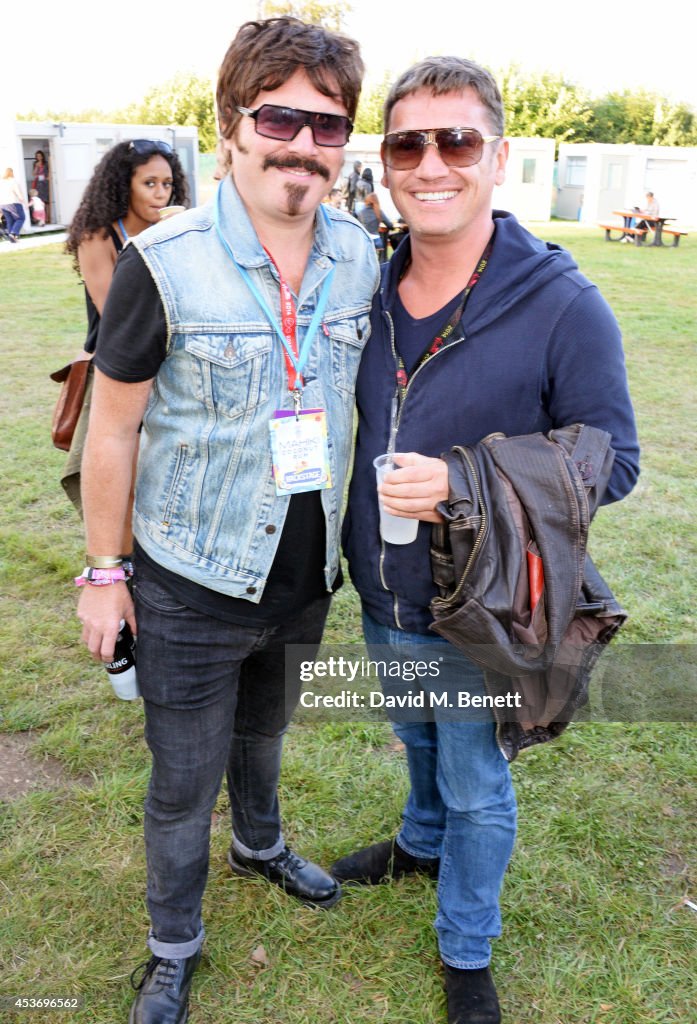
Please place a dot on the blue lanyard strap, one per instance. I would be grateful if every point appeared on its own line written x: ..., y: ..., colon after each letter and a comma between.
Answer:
x: 304, y: 350
x: 123, y: 230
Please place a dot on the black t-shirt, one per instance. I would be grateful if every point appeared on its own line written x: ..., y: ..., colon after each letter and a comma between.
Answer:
x: 92, y: 311
x: 412, y: 336
x: 131, y: 346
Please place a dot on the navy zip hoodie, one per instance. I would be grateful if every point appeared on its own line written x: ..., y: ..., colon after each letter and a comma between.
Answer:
x: 537, y: 347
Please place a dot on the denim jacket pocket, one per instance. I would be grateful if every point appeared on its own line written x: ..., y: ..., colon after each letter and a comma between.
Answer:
x: 348, y: 338
x: 232, y: 372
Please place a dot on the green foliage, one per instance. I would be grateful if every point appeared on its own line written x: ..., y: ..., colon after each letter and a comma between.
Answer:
x: 314, y: 12
x: 547, y: 105
x: 185, y: 99
x: 544, y: 106
x: 370, y: 107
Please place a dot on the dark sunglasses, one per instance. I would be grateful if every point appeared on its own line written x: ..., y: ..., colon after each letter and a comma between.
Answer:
x: 284, y: 123
x: 144, y: 146
x: 458, y: 147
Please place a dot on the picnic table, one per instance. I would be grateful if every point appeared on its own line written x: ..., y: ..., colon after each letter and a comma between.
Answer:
x: 657, y: 221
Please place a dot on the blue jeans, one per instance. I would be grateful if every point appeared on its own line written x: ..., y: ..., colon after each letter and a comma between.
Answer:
x: 14, y: 217
x: 461, y: 806
x: 216, y: 702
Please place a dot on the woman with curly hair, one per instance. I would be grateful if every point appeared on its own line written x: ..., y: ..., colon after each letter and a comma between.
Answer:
x: 131, y: 185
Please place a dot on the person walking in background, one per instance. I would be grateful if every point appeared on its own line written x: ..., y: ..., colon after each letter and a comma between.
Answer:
x: 12, y: 205
x: 353, y: 180
x: 129, y: 187
x: 238, y: 326
x: 478, y: 328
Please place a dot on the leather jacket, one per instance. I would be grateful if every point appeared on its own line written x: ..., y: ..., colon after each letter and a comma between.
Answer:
x: 518, y: 593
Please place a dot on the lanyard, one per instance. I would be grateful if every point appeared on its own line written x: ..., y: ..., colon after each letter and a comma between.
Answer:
x: 441, y: 338
x: 289, y: 325
x: 294, y: 359
x: 123, y: 230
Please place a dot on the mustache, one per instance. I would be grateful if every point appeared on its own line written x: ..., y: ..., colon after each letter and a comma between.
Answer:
x: 296, y: 162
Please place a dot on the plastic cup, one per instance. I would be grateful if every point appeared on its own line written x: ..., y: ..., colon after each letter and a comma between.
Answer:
x: 169, y: 211
x: 393, y: 529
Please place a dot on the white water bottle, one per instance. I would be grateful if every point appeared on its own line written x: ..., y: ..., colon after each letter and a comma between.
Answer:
x: 122, y: 670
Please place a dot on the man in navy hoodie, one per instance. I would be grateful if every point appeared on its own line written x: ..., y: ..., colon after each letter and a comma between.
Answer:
x: 478, y: 327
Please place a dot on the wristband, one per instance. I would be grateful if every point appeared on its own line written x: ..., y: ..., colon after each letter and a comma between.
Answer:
x: 104, y: 577
x: 104, y: 561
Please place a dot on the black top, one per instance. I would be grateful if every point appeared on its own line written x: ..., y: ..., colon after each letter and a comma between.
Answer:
x: 132, y: 345
x: 412, y: 336
x: 92, y: 311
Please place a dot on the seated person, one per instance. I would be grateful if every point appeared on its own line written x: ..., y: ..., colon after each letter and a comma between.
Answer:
x: 651, y: 209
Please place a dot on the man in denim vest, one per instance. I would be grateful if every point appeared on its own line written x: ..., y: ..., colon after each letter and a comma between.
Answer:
x: 233, y: 333
x: 478, y: 327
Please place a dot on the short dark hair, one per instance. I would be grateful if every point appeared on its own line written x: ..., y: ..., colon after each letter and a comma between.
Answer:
x: 449, y: 74
x: 265, y: 54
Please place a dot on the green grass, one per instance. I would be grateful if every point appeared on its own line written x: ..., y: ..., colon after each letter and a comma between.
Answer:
x: 594, y: 933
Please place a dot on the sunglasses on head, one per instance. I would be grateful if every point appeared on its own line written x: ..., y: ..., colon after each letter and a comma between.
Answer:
x: 284, y: 123
x: 144, y: 146
x: 458, y: 147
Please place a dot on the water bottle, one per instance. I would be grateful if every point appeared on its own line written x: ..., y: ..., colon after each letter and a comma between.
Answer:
x: 122, y: 670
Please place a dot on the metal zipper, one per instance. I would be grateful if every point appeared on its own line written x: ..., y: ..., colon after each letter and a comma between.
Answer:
x: 444, y: 602
x: 393, y: 431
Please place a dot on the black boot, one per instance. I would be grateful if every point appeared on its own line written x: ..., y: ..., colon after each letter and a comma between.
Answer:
x: 163, y: 991
x: 298, y: 877
x: 382, y: 862
x: 471, y: 996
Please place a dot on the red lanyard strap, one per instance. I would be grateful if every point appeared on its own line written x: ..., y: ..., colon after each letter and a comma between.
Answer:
x: 289, y: 326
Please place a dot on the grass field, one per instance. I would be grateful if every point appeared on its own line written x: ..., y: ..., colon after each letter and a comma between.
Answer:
x: 595, y: 928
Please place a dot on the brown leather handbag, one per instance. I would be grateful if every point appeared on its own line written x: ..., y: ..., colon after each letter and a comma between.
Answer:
x: 73, y: 377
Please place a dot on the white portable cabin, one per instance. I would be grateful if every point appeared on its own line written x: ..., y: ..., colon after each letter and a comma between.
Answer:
x: 73, y: 150
x: 594, y: 179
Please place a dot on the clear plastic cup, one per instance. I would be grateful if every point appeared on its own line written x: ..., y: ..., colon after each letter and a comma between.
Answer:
x: 393, y: 529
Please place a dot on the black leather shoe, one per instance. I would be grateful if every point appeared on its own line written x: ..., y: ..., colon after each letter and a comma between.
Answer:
x: 471, y: 996
x: 298, y: 877
x: 163, y: 991
x: 382, y: 862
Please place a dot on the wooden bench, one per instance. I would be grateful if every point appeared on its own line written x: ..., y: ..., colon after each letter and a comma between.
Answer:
x: 638, y: 234
x: 676, y: 233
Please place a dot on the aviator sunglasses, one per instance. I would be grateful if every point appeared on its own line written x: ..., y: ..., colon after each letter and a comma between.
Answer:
x: 144, y: 146
x: 284, y: 123
x: 458, y: 147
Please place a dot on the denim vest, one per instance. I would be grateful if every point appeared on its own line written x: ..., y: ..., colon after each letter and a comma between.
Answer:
x: 206, y: 505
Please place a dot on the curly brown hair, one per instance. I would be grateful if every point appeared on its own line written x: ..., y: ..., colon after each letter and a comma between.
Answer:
x: 108, y: 192
x: 265, y: 54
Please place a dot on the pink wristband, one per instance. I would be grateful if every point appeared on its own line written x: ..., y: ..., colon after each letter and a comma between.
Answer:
x: 103, y: 577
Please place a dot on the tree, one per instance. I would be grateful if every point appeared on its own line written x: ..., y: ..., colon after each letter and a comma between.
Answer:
x: 643, y: 118
x: 184, y: 99
x: 545, y: 106
x: 370, y: 107
x: 315, y: 12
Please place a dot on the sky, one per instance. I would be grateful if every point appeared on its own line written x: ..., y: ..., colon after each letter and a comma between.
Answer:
x: 77, y: 54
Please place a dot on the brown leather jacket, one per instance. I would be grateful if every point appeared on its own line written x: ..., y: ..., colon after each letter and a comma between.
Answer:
x: 519, y: 595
